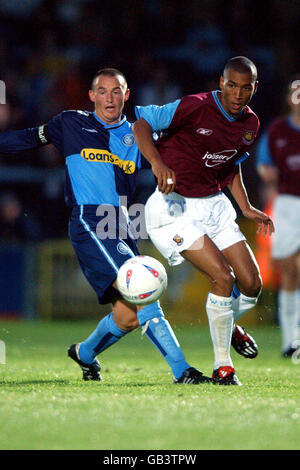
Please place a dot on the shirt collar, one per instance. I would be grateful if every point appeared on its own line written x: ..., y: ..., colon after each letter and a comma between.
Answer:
x: 111, y: 126
x: 225, y: 114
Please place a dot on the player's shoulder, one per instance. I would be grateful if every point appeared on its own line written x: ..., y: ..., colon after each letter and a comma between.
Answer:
x: 250, y: 121
x: 251, y: 116
x: 193, y: 103
x: 197, y: 99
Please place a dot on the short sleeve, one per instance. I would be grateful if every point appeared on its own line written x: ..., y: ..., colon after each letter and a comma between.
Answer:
x: 158, y: 117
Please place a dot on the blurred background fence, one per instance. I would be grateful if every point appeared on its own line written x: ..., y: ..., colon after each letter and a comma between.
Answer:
x: 49, y: 52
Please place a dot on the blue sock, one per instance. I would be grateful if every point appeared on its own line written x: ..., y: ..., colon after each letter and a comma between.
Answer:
x: 161, y: 335
x: 106, y: 334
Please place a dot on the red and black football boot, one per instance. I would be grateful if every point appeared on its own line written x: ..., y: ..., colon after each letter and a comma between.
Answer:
x: 243, y: 343
x: 225, y: 375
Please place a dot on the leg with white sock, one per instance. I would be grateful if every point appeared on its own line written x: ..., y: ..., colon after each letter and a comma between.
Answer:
x: 242, y: 304
x: 210, y: 261
x: 288, y: 319
x: 245, y: 294
x: 220, y: 318
x: 288, y: 304
x: 298, y: 313
x: 248, y: 283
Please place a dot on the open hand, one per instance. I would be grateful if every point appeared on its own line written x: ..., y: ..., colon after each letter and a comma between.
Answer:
x: 265, y: 223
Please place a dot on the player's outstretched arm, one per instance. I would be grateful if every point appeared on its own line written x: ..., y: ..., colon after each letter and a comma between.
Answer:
x: 13, y: 141
x: 238, y: 191
x: 166, y: 179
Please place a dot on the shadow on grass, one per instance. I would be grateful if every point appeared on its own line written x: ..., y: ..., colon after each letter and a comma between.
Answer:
x: 33, y: 382
x: 130, y: 384
x: 14, y: 383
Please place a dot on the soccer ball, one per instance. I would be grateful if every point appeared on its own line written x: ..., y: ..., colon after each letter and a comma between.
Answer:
x: 142, y: 280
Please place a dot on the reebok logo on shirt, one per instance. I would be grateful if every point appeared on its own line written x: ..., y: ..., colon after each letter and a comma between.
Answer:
x: 203, y: 131
x: 104, y: 156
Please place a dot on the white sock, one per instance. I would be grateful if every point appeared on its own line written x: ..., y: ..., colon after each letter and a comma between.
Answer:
x: 220, y: 317
x: 298, y: 314
x: 241, y: 305
x: 288, y: 317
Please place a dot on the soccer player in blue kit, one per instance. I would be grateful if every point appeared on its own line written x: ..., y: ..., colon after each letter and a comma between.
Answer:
x: 102, y: 161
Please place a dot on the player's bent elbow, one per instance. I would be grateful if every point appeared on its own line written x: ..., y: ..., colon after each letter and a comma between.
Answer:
x: 141, y: 125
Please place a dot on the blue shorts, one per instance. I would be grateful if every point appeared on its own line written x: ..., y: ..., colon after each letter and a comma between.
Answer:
x: 99, y: 257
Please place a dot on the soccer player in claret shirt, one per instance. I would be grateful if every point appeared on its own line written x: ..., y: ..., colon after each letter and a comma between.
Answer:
x: 102, y: 161
x: 278, y: 163
x: 203, y: 140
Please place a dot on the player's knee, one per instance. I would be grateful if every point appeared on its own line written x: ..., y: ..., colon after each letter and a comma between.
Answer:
x: 132, y: 324
x: 252, y: 285
x: 225, y: 279
x: 125, y: 316
x: 128, y: 323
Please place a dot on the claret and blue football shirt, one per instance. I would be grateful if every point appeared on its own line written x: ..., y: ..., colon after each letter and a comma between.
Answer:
x: 201, y: 142
x: 101, y: 160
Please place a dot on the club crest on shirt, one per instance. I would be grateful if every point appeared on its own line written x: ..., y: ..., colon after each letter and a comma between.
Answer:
x: 128, y: 140
x: 248, y: 137
x: 178, y: 239
x: 123, y: 249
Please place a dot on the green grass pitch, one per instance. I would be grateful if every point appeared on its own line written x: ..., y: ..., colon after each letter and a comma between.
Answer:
x: 44, y: 403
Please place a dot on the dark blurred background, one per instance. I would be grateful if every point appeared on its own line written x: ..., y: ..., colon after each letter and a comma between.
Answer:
x: 50, y: 50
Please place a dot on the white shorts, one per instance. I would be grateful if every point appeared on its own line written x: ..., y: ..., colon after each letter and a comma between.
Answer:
x: 175, y: 222
x: 286, y: 239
